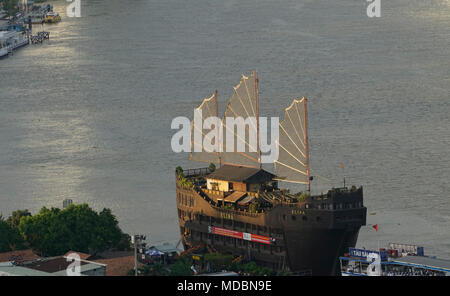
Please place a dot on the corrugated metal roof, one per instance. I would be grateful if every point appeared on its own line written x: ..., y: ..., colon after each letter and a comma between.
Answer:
x: 235, y: 196
x: 22, y: 271
x: 14, y: 270
x: 442, y: 264
x: 246, y: 200
x: 240, y: 174
x: 166, y: 248
x: 118, y: 266
x: 83, y: 256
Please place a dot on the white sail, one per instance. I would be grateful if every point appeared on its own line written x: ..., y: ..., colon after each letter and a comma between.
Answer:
x: 292, y: 164
x: 293, y: 158
x: 200, y: 152
x: 243, y: 104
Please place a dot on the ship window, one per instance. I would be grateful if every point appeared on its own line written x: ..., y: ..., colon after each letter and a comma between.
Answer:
x: 284, y: 217
x: 215, y: 186
x: 293, y: 218
x: 318, y: 219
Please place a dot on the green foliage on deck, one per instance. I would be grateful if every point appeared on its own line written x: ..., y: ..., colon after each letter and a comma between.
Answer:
x: 182, y: 180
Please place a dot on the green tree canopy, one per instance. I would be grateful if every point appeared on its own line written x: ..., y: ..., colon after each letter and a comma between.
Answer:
x: 15, y: 217
x: 53, y: 231
x: 182, y: 267
x: 10, y: 238
x: 10, y: 6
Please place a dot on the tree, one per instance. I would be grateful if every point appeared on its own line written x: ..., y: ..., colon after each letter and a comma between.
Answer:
x: 157, y: 269
x: 10, y: 238
x: 15, y: 217
x: 10, y: 6
x: 219, y: 261
x: 182, y: 267
x: 124, y: 243
x: 252, y: 268
x: 53, y: 232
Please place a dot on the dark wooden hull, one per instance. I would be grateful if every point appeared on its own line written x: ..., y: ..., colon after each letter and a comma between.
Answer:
x: 309, y: 236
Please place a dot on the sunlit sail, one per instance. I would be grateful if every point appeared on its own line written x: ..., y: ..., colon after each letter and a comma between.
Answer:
x: 293, y: 158
x: 243, y: 104
x: 200, y: 152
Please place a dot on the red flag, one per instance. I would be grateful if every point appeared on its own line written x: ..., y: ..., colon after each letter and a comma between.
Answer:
x: 375, y: 227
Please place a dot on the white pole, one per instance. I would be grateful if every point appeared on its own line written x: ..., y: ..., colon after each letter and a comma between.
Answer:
x: 135, y: 255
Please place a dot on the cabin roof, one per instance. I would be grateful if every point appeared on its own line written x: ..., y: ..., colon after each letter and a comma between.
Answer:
x: 165, y: 248
x: 240, y: 174
x: 233, y: 197
x: 423, y: 261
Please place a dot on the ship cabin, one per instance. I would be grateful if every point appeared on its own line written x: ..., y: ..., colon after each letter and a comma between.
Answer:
x: 233, y: 185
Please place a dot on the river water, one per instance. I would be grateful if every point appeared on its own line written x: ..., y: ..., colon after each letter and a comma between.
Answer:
x: 87, y: 115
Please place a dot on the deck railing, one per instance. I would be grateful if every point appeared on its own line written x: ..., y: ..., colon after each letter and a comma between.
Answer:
x: 196, y: 172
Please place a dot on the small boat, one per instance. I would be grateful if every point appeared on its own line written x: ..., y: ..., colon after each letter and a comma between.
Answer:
x: 3, y: 51
x: 4, y: 47
x: 396, y: 260
x: 52, y: 17
x: 13, y: 40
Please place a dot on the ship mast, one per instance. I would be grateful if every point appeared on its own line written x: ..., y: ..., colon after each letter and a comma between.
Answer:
x: 257, y: 118
x: 218, y: 132
x: 307, y: 144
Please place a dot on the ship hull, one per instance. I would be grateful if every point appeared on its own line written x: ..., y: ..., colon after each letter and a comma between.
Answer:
x: 309, y: 252
x: 307, y: 238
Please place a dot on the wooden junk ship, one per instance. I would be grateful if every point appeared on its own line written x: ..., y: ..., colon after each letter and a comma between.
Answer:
x: 239, y: 208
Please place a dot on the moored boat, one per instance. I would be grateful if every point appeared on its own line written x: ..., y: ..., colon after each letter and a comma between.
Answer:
x: 52, y: 17
x: 239, y: 208
x: 396, y: 260
x: 3, y: 51
x: 12, y: 40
